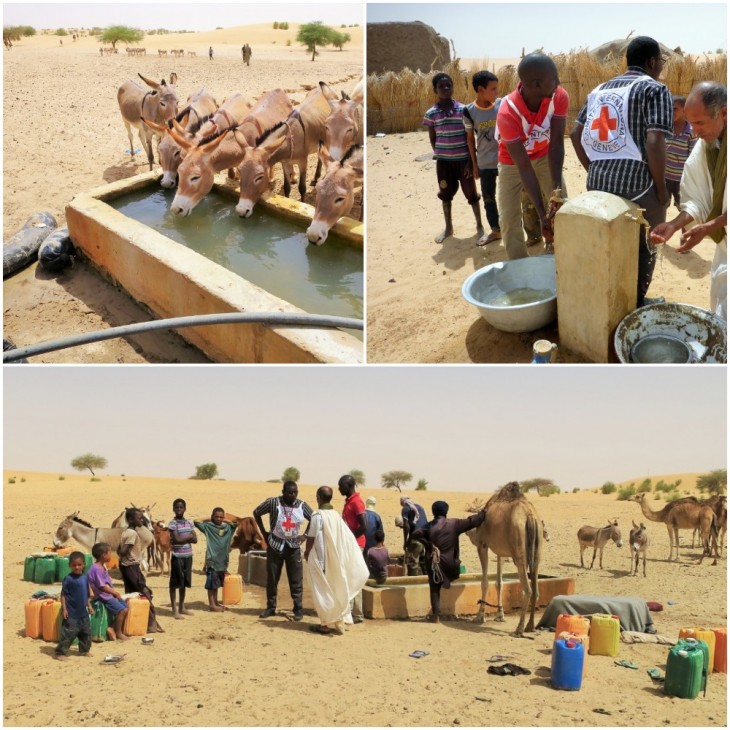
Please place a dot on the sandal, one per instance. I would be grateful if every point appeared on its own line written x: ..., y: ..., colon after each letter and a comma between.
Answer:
x: 491, y: 238
x: 655, y: 674
x: 626, y: 663
x: 317, y: 629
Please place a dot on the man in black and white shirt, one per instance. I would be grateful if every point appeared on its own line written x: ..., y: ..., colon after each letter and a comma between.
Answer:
x: 620, y: 139
x: 286, y: 515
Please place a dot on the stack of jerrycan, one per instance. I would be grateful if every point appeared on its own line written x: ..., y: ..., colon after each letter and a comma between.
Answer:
x: 702, y: 634
x: 575, y: 628
x: 33, y: 624
x: 44, y: 570
x: 51, y: 615
x: 687, y: 669
x: 99, y: 621
x: 605, y: 635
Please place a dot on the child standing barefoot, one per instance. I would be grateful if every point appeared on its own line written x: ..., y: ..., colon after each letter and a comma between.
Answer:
x: 76, y: 606
x: 445, y: 123
x: 182, y: 537
x: 102, y: 588
x: 218, y: 534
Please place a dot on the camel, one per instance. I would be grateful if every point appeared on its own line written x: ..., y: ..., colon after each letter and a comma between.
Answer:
x: 681, y: 514
x: 708, y: 532
x: 719, y: 507
x: 511, y: 529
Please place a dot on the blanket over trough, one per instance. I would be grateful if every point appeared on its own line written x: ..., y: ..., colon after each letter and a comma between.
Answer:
x: 632, y: 612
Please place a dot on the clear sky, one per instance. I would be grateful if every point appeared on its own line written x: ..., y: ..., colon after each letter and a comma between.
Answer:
x: 500, y: 30
x: 177, y: 15
x: 461, y: 428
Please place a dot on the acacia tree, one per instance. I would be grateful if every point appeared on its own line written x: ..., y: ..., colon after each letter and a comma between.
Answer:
x: 115, y: 33
x: 544, y: 487
x: 206, y: 471
x: 714, y: 482
x: 314, y: 34
x: 359, y: 476
x: 291, y: 474
x: 338, y: 39
x: 422, y: 485
x: 90, y: 462
x: 395, y: 479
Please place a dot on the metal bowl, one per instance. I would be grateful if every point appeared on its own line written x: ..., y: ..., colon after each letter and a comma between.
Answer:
x: 704, y: 333
x: 490, y: 283
x: 661, y: 349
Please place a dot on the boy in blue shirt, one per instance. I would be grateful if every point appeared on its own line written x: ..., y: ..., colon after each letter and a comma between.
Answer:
x: 76, y: 605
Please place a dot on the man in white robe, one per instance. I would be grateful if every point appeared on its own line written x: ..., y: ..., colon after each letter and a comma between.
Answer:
x: 336, y: 568
x: 702, y: 190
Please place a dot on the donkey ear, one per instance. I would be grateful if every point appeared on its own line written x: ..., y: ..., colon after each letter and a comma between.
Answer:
x: 327, y: 92
x: 636, y: 527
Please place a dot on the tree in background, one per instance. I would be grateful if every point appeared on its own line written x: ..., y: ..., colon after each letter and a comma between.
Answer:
x: 395, y: 479
x: 291, y: 474
x: 338, y: 39
x: 359, y: 476
x: 608, y: 488
x: 90, y: 462
x: 314, y: 34
x: 16, y: 32
x: 422, y: 485
x: 206, y: 471
x: 544, y: 487
x: 115, y: 33
x: 714, y: 482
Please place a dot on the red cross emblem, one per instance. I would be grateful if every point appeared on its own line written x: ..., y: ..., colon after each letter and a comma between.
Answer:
x: 288, y: 524
x: 605, y: 124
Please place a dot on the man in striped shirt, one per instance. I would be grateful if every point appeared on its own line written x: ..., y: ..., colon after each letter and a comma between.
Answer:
x: 620, y: 139
x: 679, y: 145
x: 446, y: 132
x: 286, y: 515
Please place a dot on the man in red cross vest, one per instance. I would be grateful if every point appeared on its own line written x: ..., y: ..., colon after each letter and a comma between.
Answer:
x: 620, y: 139
x: 286, y: 516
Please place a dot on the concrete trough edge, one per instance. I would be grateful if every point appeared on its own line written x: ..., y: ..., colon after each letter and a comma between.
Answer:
x: 172, y: 280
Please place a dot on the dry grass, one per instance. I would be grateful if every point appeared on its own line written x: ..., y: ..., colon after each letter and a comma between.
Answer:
x: 396, y: 102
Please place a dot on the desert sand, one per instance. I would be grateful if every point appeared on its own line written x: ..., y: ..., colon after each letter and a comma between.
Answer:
x: 70, y: 138
x: 233, y: 669
x: 415, y: 311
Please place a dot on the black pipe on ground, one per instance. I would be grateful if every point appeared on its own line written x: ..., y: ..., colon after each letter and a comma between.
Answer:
x: 269, y: 318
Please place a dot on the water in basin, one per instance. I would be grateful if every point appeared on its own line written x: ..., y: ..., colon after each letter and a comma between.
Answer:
x: 660, y: 349
x: 265, y: 249
x: 523, y: 295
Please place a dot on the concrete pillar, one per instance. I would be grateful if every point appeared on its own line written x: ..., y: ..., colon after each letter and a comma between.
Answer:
x: 597, y: 263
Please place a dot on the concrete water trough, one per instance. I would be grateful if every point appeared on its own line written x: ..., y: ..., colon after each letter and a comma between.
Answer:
x: 172, y: 280
x: 408, y: 597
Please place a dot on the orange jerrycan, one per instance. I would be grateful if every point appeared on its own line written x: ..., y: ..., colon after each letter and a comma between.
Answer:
x: 573, y: 624
x: 33, y: 626
x: 51, y: 620
x: 605, y: 634
x: 232, y: 589
x: 135, y: 624
x: 720, y: 650
x: 702, y: 634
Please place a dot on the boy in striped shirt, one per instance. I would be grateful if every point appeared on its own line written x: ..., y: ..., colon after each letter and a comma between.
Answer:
x: 679, y: 145
x: 446, y: 132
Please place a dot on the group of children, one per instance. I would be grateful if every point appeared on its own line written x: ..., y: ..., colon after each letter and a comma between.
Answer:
x: 465, y: 141
x: 79, y: 589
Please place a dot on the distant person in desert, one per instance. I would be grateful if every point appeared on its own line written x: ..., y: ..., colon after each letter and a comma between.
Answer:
x: 210, y: 53
x: 445, y: 124
x: 703, y: 188
x: 620, y: 139
x: 531, y: 123
x: 679, y: 147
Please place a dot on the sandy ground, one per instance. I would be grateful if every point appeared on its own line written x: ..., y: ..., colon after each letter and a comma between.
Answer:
x: 415, y: 310
x: 71, y: 138
x: 197, y: 673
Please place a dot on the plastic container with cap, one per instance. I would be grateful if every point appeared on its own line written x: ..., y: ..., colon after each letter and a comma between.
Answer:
x: 686, y: 673
x: 51, y: 620
x: 568, y: 659
x: 573, y: 623
x: 702, y: 634
x: 720, y: 664
x: 605, y: 635
x: 232, y: 589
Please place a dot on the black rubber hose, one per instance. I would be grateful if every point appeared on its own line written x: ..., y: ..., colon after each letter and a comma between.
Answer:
x: 269, y: 318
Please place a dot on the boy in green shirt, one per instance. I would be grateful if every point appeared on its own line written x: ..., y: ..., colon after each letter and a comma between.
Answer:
x: 218, y: 535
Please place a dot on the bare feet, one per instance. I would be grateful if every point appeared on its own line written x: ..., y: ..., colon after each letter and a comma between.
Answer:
x: 156, y: 629
x: 434, y: 619
x: 85, y: 656
x: 123, y: 637
x: 176, y: 613
x: 111, y: 634
x: 448, y: 231
x: 216, y: 609
x: 186, y: 612
x: 60, y: 657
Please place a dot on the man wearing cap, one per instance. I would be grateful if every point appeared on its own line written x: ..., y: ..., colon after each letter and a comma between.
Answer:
x: 442, y: 535
x: 372, y: 523
x: 620, y: 139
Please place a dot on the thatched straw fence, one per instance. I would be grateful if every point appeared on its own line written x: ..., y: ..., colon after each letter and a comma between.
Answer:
x: 396, y: 102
